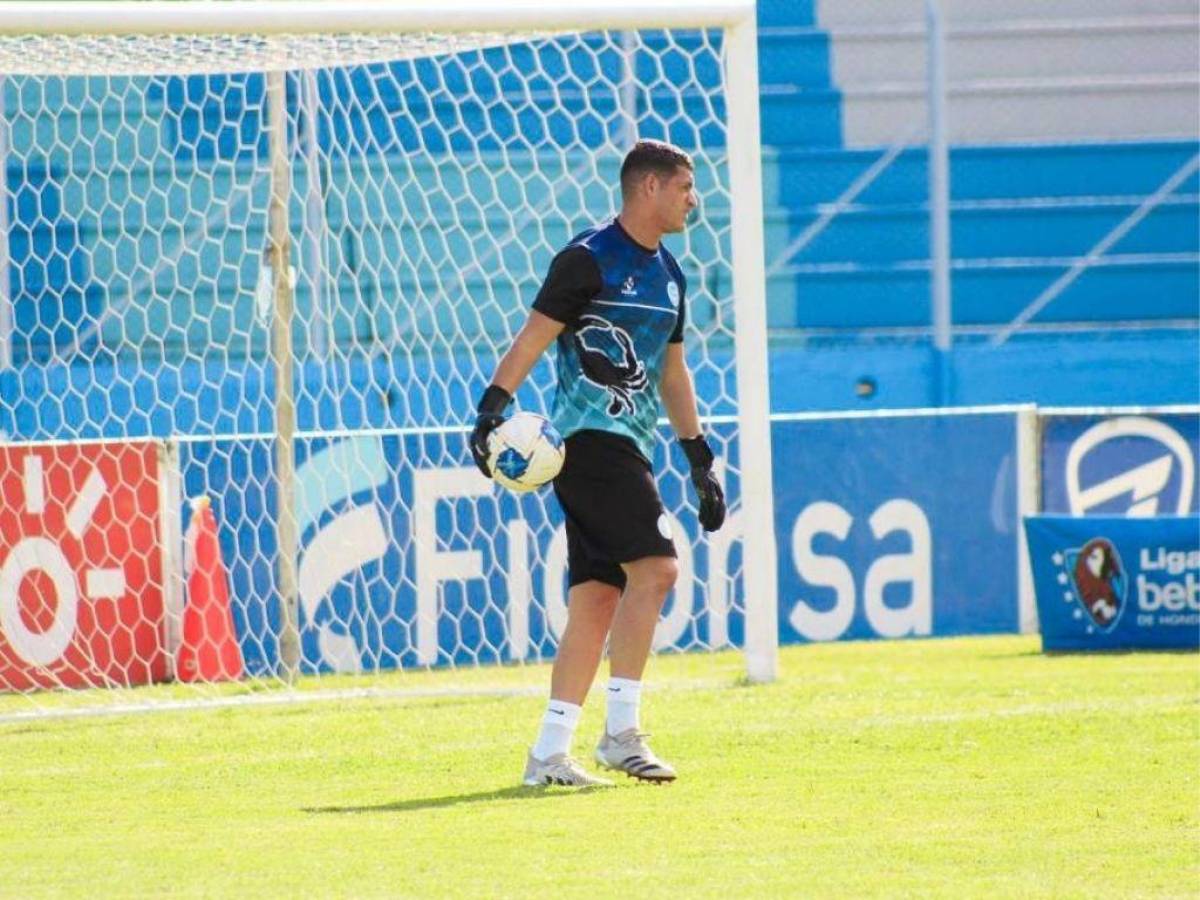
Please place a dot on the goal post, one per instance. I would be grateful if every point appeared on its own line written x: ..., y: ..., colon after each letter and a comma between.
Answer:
x: 754, y: 409
x: 288, y: 239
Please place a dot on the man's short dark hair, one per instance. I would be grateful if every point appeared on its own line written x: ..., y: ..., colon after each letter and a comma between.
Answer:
x: 651, y: 158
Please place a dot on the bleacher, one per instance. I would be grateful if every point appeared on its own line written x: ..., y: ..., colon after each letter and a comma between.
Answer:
x: 1064, y: 116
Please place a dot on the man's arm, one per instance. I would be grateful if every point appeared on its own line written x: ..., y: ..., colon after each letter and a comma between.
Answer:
x: 574, y: 278
x: 527, y: 348
x: 679, y: 399
x: 678, y: 394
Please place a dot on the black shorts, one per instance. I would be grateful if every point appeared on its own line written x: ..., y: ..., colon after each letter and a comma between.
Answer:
x: 614, y: 514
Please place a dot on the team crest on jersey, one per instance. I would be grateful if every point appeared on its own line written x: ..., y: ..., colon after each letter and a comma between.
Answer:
x: 673, y: 294
x: 608, y: 360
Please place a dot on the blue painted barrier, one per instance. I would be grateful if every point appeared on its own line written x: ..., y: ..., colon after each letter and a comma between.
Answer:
x: 891, y: 526
x: 886, y: 527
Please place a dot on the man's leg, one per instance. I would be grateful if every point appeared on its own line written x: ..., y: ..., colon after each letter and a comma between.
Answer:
x: 623, y: 746
x: 590, y: 609
x: 649, y: 580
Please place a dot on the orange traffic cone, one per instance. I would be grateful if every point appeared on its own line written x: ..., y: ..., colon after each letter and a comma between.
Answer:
x: 209, y: 649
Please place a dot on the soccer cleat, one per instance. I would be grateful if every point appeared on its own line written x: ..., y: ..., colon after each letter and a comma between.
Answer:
x: 562, y: 770
x: 628, y: 752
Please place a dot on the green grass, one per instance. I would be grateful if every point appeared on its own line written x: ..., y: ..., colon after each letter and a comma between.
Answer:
x: 955, y: 767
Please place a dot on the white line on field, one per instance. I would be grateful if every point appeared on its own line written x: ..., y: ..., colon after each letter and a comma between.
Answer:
x: 1145, y: 705
x: 284, y: 697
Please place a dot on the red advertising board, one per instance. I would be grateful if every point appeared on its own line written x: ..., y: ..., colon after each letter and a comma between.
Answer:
x: 81, y: 566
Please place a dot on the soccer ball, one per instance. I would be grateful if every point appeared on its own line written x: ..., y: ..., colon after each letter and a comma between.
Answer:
x: 525, y: 452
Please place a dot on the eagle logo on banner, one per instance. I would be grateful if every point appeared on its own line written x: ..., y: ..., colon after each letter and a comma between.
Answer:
x: 1095, y: 578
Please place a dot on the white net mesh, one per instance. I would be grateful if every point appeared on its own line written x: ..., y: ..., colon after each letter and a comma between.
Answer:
x: 431, y: 181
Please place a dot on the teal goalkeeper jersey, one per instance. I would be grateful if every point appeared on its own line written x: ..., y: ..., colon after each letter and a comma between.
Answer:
x: 621, y: 304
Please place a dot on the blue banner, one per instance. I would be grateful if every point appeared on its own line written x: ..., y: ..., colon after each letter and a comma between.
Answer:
x: 408, y: 557
x: 1120, y: 464
x: 1115, y: 583
x: 886, y: 526
x: 889, y: 526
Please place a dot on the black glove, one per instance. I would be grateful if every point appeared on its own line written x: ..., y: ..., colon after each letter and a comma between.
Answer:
x: 491, y: 413
x: 708, y: 489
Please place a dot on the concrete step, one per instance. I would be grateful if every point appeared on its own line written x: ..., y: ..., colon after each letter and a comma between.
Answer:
x: 795, y: 57
x: 1023, y: 50
x: 476, y: 244
x: 1144, y: 107
x: 991, y: 292
x: 796, y: 178
x: 418, y: 314
x: 984, y: 230
x: 791, y: 116
x: 408, y: 120
x: 839, y: 13
x: 786, y: 13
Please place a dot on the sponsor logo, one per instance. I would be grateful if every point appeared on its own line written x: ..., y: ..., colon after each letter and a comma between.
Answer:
x: 1168, y: 586
x: 673, y: 294
x: 43, y: 555
x: 341, y: 545
x: 1094, y: 577
x: 627, y: 289
x: 1110, y: 461
x: 72, y: 518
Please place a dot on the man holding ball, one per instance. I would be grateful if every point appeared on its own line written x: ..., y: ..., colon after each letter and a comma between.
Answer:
x: 615, y: 301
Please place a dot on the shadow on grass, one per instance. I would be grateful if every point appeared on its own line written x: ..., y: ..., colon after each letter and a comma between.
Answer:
x: 1013, y: 654
x: 516, y: 792
x: 23, y: 729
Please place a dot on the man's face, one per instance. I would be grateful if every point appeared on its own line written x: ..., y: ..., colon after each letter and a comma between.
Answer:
x: 674, y: 199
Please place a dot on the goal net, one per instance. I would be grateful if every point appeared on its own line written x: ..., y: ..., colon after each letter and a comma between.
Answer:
x: 256, y: 280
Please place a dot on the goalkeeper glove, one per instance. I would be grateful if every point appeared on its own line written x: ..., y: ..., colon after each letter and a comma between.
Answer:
x: 490, y: 414
x: 708, y: 489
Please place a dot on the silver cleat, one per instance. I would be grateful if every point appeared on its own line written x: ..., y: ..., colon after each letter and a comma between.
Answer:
x: 628, y: 752
x: 560, y: 769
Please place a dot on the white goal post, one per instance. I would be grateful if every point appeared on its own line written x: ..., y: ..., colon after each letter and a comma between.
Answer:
x: 264, y: 254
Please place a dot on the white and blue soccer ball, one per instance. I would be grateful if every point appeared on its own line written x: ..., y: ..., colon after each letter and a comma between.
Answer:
x: 525, y: 452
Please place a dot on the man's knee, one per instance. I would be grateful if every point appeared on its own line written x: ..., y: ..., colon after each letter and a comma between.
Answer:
x: 593, y: 595
x: 654, y: 573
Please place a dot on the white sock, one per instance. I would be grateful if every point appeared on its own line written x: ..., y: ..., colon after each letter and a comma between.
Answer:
x: 558, y: 727
x: 624, y: 697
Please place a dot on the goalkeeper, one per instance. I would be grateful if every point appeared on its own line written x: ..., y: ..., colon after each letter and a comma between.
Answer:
x: 614, y: 299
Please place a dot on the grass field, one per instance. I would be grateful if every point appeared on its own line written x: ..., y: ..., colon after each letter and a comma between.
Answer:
x: 973, y: 767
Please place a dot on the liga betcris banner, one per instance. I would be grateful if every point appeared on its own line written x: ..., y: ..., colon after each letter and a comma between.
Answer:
x: 1116, y: 583
x: 81, y: 565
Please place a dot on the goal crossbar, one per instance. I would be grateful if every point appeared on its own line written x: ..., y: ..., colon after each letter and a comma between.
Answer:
x: 148, y: 17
